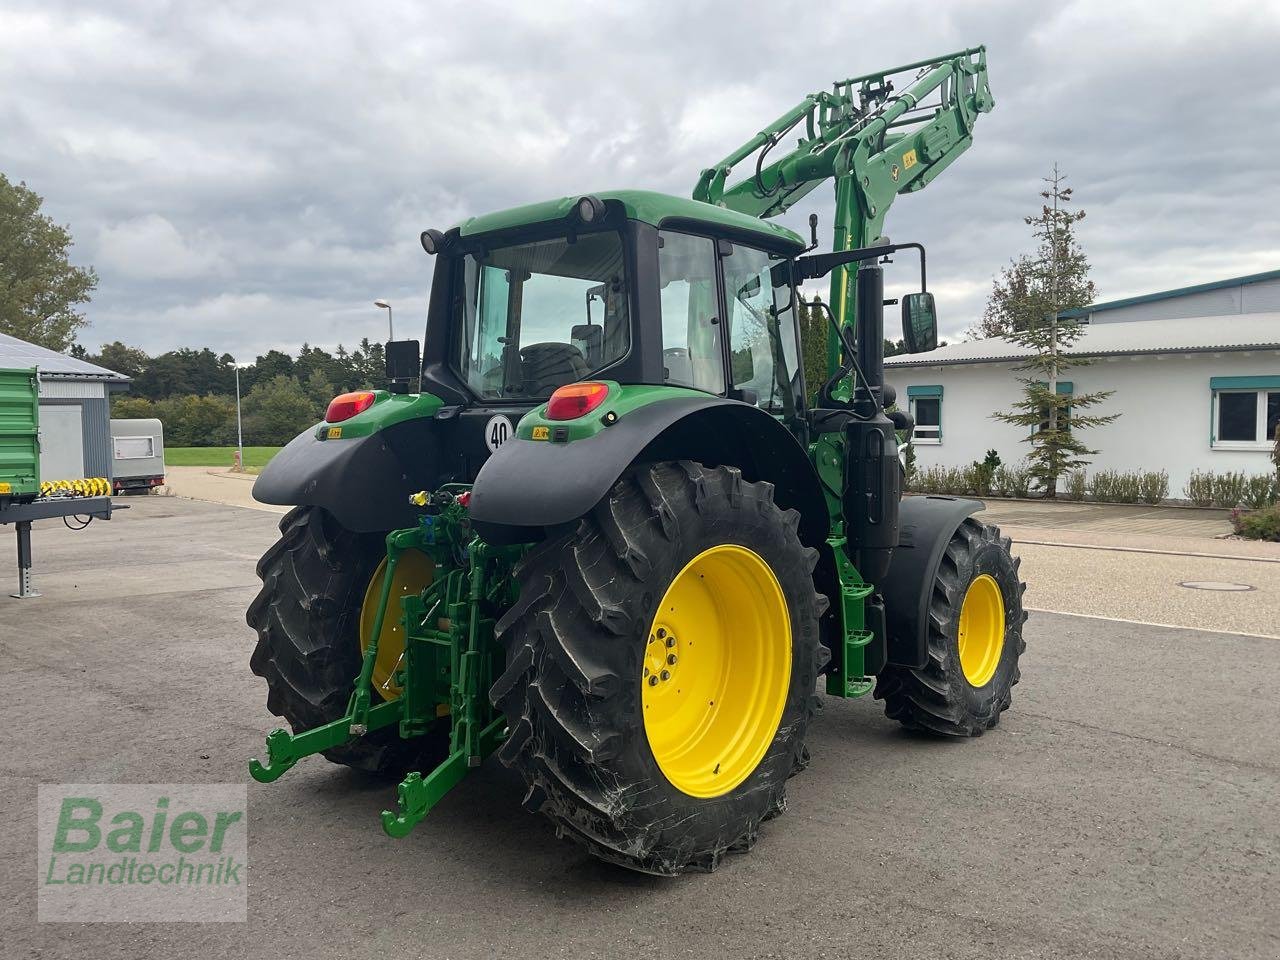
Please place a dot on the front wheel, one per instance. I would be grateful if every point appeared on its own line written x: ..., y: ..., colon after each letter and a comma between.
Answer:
x: 974, y: 640
x: 661, y: 667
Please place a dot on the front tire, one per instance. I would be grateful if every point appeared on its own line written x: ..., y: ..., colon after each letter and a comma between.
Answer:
x: 605, y: 683
x: 974, y: 640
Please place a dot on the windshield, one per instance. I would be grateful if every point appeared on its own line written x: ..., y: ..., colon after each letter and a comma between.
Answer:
x: 537, y: 315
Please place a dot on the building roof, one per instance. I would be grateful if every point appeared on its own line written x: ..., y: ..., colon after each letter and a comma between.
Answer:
x: 644, y: 205
x: 1176, y: 292
x: 1248, y: 331
x: 17, y: 354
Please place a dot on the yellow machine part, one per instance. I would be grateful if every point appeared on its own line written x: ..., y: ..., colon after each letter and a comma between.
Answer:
x: 414, y: 573
x: 89, y: 487
x: 981, y: 633
x: 716, y: 670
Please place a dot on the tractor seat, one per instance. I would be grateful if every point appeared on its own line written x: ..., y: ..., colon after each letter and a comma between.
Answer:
x: 545, y: 366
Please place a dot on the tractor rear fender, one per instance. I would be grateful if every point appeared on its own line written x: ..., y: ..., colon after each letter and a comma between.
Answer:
x: 926, y: 525
x: 364, y: 481
x: 530, y: 485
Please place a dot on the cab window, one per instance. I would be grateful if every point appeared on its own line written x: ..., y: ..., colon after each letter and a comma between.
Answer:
x: 763, y: 337
x: 535, y: 316
x: 691, y: 351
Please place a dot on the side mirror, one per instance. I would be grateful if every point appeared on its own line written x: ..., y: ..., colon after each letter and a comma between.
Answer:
x: 919, y: 322
x: 404, y: 360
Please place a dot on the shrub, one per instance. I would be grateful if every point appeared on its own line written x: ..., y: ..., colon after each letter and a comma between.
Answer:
x: 1075, y: 485
x: 1260, y: 491
x: 1228, y: 489
x: 1199, y: 488
x: 1128, y: 487
x: 1261, y: 524
x: 981, y: 474
x: 927, y: 480
x: 1153, y: 486
x: 1104, y: 486
x: 1117, y: 486
x: 1012, y: 481
x: 977, y: 480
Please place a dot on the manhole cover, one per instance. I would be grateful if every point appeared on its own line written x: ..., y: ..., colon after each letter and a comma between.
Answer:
x: 1222, y: 585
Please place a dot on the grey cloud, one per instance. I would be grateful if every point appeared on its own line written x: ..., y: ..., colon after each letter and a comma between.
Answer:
x: 251, y: 176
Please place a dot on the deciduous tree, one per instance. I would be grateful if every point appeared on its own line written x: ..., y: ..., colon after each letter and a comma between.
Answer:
x: 40, y: 288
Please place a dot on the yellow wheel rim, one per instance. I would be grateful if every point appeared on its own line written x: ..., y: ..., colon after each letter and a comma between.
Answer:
x: 981, y: 635
x: 414, y: 573
x: 716, y: 671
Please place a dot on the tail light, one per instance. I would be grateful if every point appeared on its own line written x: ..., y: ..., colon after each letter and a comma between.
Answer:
x: 576, y: 400
x: 347, y: 405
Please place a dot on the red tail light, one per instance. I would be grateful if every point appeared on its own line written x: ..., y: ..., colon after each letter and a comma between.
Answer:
x: 576, y: 400
x: 347, y: 405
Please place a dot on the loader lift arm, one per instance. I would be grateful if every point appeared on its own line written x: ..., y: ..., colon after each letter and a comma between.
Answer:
x: 873, y: 142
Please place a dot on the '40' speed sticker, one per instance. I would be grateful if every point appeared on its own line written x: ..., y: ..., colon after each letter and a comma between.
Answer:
x: 497, y: 432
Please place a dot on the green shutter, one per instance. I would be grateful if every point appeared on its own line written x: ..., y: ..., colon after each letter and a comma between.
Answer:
x: 1064, y: 386
x: 924, y: 391
x: 1244, y: 383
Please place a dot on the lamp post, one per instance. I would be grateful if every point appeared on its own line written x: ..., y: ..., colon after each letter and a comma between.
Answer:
x: 239, y: 429
x: 391, y: 333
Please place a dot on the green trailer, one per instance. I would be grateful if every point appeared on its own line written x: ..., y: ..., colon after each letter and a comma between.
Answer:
x: 19, y: 436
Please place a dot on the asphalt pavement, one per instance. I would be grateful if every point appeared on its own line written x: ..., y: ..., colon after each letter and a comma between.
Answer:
x: 1125, y: 807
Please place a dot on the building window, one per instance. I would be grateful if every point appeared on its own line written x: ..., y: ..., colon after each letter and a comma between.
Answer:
x: 1246, y: 411
x: 926, y: 408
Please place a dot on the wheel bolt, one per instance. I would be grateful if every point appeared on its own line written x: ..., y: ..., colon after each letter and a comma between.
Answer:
x: 671, y: 658
x: 661, y: 633
x: 671, y: 641
x: 646, y: 671
x: 653, y: 681
x: 666, y: 674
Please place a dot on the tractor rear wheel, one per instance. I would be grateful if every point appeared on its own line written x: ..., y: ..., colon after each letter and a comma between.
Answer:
x: 661, y: 662
x: 320, y: 583
x: 974, y: 640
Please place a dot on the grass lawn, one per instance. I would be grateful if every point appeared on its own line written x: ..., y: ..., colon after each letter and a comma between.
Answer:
x: 217, y: 456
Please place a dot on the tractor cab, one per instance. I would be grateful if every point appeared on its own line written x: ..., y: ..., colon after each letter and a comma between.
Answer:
x: 632, y: 287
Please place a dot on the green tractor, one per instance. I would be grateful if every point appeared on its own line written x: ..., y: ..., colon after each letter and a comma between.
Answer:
x: 598, y: 526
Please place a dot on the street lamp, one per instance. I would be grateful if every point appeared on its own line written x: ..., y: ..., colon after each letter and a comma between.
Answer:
x: 239, y: 429
x: 391, y: 334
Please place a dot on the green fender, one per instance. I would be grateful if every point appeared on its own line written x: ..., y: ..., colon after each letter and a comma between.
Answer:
x: 530, y: 484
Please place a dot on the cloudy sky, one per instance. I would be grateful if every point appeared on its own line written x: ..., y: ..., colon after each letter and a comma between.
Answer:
x: 250, y: 175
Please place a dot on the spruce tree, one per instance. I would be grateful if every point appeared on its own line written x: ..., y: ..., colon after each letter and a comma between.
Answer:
x: 1027, y: 302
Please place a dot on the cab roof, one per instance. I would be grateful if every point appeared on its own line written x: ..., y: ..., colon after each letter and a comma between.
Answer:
x: 643, y: 205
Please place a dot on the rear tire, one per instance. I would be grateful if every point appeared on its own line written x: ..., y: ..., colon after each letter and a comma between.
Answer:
x: 577, y: 641
x: 307, y: 616
x: 940, y: 697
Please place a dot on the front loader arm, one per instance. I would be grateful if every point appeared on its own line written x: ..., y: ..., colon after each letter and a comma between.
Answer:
x: 872, y: 142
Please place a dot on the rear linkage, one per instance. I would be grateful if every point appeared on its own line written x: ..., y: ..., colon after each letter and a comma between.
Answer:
x: 447, y: 666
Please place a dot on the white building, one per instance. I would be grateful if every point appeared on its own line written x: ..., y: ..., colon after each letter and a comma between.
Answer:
x: 1196, y: 375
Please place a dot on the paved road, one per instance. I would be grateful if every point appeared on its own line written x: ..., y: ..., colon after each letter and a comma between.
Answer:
x: 1125, y: 808
x: 215, y: 485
